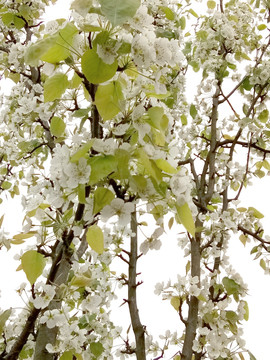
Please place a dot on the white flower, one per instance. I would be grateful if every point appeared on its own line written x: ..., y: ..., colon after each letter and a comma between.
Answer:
x: 53, y: 318
x: 77, y: 173
x: 150, y: 244
x: 120, y: 208
x: 43, y: 296
x: 107, y: 146
x: 180, y: 184
x: 163, y: 52
x: 159, y: 287
x: 91, y: 303
x: 141, y: 19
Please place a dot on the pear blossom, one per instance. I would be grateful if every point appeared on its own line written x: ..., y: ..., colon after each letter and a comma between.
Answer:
x: 120, y: 208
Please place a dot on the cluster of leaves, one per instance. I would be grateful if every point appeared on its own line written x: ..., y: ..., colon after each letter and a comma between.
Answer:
x: 96, y: 125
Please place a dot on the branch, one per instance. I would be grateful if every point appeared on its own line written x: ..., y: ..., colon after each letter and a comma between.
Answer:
x: 209, y: 166
x: 255, y: 236
x: 193, y: 306
x: 137, y: 327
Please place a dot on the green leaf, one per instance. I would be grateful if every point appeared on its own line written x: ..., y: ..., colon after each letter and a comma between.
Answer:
x: 80, y: 281
x: 246, y: 315
x: 95, y: 239
x: 10, y: 19
x: 96, y: 349
x: 175, y: 302
x: 82, y: 152
x: 263, y: 264
x: 211, y: 4
x: 57, y: 126
x: 102, y: 197
x: 193, y: 111
x: 192, y: 12
x: 246, y: 84
x: 53, y: 48
x: 183, y: 119
x: 243, y: 238
x: 6, y: 185
x: 165, y: 166
x: 118, y: 11
x: 81, y: 193
x: 170, y: 15
x: 81, y: 112
x: 255, y: 213
x: 108, y: 98
x: 182, y: 22
x: 63, y: 40
x: 1, y: 220
x: 95, y: 70
x: 231, y: 286
x: 263, y: 116
x: 81, y: 6
x: 231, y: 316
x: 3, y: 318
x: 261, y: 27
x: 101, y: 166
x: 55, y: 87
x: 122, y: 157
x: 185, y: 216
x: 157, y: 118
x: 139, y: 182
x: 32, y: 264
x: 251, y: 356
x: 24, y: 236
x: 149, y: 166
x: 67, y: 355
x: 266, y: 165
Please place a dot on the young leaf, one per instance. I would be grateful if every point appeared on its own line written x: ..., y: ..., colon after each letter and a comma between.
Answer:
x: 102, y: 197
x: 33, y: 264
x: 67, y: 355
x: 24, y: 236
x: 55, y: 87
x: 255, y: 213
x: 251, y: 356
x: 165, y: 166
x: 263, y: 264
x: 107, y: 99
x: 175, y: 302
x: 193, y: 111
x: 96, y: 349
x: 231, y: 286
x: 95, y: 239
x: 261, y: 27
x: 246, y: 315
x: 119, y: 11
x: 3, y: 318
x: 1, y: 220
x: 81, y: 193
x: 81, y: 6
x: 95, y: 70
x: 80, y: 281
x: 211, y: 4
x: 263, y: 116
x: 157, y: 118
x: 185, y: 216
x: 63, y: 40
x: 123, y: 158
x: 149, y: 166
x: 57, y: 126
x: 102, y: 166
x: 82, y: 152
